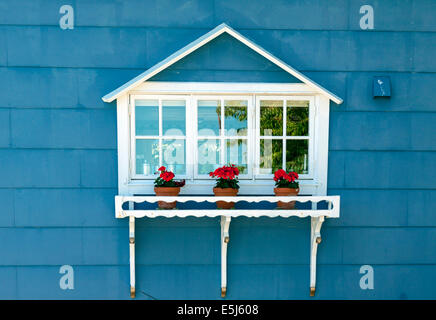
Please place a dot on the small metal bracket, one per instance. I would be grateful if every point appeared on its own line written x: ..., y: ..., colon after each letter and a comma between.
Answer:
x: 315, y: 239
x: 225, y: 238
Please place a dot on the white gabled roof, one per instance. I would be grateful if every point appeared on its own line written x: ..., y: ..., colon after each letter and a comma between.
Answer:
x: 186, y: 50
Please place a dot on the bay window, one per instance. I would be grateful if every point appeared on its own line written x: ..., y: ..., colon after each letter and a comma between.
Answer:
x: 192, y: 135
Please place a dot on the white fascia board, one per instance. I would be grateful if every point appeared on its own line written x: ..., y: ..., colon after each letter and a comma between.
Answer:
x: 176, y: 56
x: 183, y: 52
x: 283, y: 65
x: 213, y: 88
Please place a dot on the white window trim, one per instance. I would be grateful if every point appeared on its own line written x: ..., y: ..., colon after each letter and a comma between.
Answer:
x: 222, y: 136
x: 312, y: 115
x: 316, y: 185
x: 160, y: 98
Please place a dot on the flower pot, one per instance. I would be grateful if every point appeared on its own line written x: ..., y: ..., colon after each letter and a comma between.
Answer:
x: 283, y: 192
x: 167, y: 192
x: 225, y: 192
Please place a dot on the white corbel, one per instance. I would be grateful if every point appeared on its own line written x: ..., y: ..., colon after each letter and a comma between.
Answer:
x: 225, y: 224
x: 315, y: 239
x: 132, y: 255
x: 317, y: 219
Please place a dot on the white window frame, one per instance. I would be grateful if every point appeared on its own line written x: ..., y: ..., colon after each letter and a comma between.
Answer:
x: 314, y: 184
x: 222, y: 137
x: 160, y: 136
x: 310, y: 138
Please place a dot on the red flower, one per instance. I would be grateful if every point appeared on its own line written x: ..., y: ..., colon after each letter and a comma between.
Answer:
x: 161, y: 168
x: 281, y: 174
x: 167, y: 176
x: 225, y: 172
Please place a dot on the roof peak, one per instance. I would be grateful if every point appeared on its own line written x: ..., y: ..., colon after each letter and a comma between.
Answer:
x: 201, y: 41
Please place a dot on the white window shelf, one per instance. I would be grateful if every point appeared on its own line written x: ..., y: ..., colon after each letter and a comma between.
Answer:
x: 317, y: 218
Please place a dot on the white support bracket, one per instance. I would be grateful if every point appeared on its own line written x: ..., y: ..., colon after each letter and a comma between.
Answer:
x: 316, y: 215
x: 132, y: 255
x: 225, y: 224
x: 315, y: 239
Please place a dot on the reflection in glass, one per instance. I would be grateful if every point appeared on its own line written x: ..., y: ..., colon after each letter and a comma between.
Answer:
x: 173, y: 154
x: 297, y: 156
x: 208, y: 155
x: 236, y: 153
x: 235, y: 121
x: 271, y: 155
x: 209, y: 117
x: 271, y: 118
x: 147, y: 156
x: 173, y: 117
x: 297, y: 118
x: 147, y: 117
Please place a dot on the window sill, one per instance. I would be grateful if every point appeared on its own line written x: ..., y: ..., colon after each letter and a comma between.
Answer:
x: 204, y: 187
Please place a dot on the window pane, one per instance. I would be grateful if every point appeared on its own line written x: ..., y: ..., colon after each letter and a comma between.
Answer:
x: 271, y: 155
x: 173, y: 117
x: 236, y: 153
x: 271, y: 118
x: 147, y: 117
x: 297, y: 118
x: 173, y: 153
x: 235, y: 122
x: 297, y: 156
x: 209, y: 117
x: 147, y: 156
x: 208, y: 155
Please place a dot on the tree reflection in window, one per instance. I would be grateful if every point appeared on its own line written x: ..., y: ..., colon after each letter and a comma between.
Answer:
x: 296, y: 127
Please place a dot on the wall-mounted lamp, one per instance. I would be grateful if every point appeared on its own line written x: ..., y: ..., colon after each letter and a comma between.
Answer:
x: 381, y: 86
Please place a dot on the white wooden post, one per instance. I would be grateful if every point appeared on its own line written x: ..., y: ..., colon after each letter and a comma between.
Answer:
x: 132, y: 255
x: 315, y: 239
x: 225, y: 224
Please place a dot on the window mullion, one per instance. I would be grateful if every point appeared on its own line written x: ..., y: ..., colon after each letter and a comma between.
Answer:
x: 222, y: 134
x: 284, y: 136
x: 160, y: 133
x: 132, y: 163
x: 257, y: 135
x: 189, y: 142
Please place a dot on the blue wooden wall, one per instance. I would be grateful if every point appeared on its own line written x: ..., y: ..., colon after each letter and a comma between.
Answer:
x: 58, y: 162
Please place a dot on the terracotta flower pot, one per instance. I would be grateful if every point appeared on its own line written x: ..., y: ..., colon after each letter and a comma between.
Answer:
x: 225, y: 192
x: 167, y: 192
x: 283, y: 192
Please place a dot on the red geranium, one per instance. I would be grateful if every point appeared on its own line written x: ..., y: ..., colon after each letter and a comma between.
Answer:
x: 165, y: 179
x: 286, y: 180
x: 227, y: 176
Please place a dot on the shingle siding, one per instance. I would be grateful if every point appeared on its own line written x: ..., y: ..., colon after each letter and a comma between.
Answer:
x: 58, y: 157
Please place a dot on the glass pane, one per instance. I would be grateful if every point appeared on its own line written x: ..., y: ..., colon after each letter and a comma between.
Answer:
x: 173, y: 153
x: 271, y: 118
x: 271, y: 155
x: 236, y: 153
x: 235, y: 121
x: 147, y: 156
x: 297, y: 158
x: 209, y: 117
x: 297, y: 118
x: 208, y: 155
x: 147, y: 117
x: 173, y: 118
